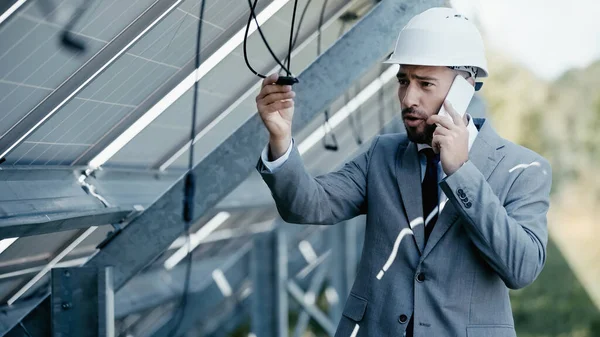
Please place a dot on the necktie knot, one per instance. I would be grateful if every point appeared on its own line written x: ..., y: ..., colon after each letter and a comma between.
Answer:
x: 432, y: 157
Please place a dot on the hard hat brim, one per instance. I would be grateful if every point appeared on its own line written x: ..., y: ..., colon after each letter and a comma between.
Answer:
x: 432, y: 63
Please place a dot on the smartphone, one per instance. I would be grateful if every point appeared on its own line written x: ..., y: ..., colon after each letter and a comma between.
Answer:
x: 460, y: 94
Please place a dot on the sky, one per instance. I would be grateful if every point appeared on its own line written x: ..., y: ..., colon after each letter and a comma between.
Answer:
x: 547, y: 36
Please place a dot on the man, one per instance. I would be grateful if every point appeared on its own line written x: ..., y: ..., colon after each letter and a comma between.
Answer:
x: 456, y: 215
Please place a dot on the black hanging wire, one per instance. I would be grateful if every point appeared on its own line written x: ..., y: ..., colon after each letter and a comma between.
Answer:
x: 320, y: 27
x: 282, y: 80
x: 381, y: 103
x: 68, y: 39
x: 333, y: 146
x: 356, y: 126
x: 190, y: 185
x: 290, y: 45
x: 297, y: 32
x: 355, y: 131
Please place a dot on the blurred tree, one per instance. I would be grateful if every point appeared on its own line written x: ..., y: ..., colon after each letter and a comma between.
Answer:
x: 559, y: 120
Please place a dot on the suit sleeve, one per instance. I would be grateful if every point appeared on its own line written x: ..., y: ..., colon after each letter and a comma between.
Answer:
x: 324, y: 200
x: 511, y: 237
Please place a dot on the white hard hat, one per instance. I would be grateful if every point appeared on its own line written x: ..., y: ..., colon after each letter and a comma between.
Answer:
x: 440, y: 37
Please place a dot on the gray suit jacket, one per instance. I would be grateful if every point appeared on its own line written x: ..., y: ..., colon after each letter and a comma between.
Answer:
x: 490, y: 236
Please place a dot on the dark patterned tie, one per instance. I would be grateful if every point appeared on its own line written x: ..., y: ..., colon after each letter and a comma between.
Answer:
x: 429, y: 190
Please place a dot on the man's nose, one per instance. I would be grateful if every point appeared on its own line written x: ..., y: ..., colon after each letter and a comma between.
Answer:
x: 410, y: 97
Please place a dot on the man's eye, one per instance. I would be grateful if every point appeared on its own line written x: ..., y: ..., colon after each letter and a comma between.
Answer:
x: 426, y: 84
x: 402, y: 81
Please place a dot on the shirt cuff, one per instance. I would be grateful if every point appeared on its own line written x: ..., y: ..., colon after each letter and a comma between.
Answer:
x: 274, y: 165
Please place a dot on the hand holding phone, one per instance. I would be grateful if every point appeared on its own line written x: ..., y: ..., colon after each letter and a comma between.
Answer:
x: 460, y: 94
x: 450, y: 139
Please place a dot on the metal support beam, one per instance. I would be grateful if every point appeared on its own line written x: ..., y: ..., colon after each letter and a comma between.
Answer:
x: 338, y: 241
x: 36, y: 201
x: 236, y: 272
x: 9, y: 8
x: 144, y: 292
x: 312, y: 310
x: 311, y: 294
x: 225, y: 325
x: 52, y: 222
x: 217, y: 174
x: 252, y: 193
x: 90, y: 70
x: 82, y: 302
x: 219, y: 317
x: 201, y: 302
x: 269, y: 273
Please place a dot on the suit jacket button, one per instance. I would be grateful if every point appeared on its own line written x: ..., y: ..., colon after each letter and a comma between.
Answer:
x: 460, y: 192
x: 420, y: 277
x: 402, y: 318
x: 468, y: 204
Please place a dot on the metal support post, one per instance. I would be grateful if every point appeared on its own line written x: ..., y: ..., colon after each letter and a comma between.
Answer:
x: 269, y: 274
x: 82, y: 302
x: 337, y: 237
x: 310, y: 308
x: 312, y: 294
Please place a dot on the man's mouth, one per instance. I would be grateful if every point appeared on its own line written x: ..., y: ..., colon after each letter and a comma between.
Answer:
x: 412, y: 121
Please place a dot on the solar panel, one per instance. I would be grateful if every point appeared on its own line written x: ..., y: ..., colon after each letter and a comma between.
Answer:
x: 32, y: 62
x: 218, y: 92
x: 26, y: 257
x: 126, y: 84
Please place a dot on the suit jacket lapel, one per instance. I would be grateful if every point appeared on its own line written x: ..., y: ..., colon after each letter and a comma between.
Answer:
x: 408, y: 175
x: 485, y: 156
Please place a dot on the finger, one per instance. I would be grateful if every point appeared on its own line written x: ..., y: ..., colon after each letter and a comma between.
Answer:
x: 271, y: 98
x: 270, y: 79
x: 453, y: 114
x: 441, y: 131
x: 272, y: 89
x: 441, y: 121
x: 436, y: 143
x: 277, y: 106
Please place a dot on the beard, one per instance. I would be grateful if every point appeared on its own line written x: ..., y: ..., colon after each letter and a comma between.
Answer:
x: 416, y: 136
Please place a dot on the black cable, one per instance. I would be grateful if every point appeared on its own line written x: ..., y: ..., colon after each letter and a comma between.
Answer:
x: 289, y: 58
x: 328, y: 129
x: 356, y: 131
x: 68, y: 39
x: 381, y: 103
x: 282, y: 80
x: 253, y: 16
x: 329, y: 132
x: 297, y: 31
x: 320, y: 26
x: 190, y: 184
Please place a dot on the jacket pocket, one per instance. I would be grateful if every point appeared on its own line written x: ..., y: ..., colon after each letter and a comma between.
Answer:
x: 491, y: 331
x: 355, y: 307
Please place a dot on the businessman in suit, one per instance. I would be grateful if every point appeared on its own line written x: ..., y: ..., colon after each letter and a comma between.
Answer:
x: 456, y: 215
